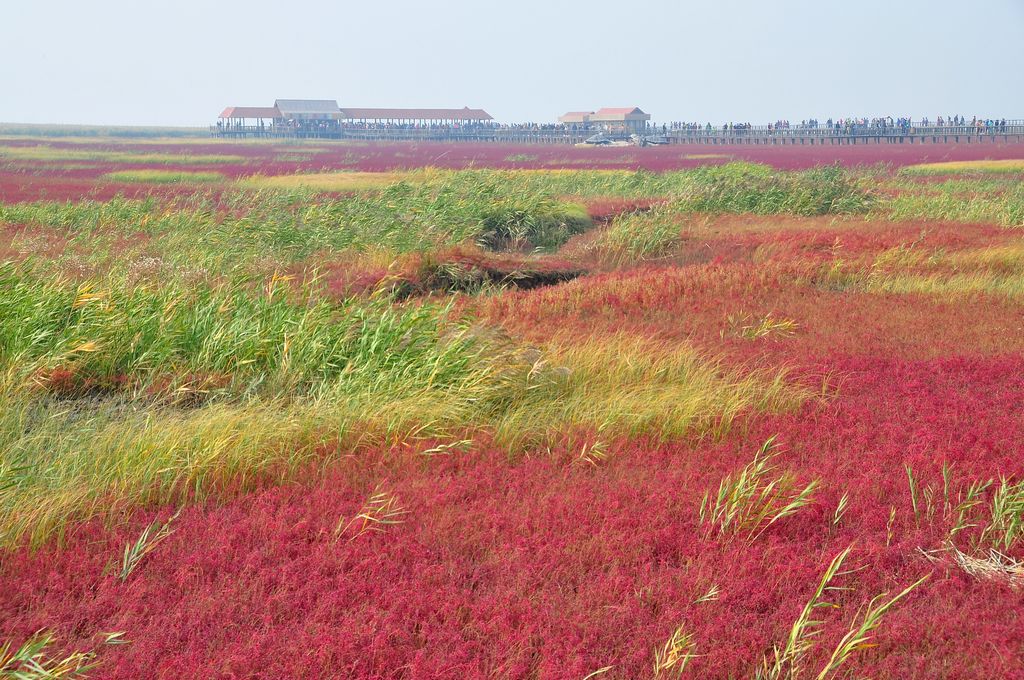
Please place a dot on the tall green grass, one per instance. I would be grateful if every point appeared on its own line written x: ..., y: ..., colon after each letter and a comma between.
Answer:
x: 1005, y: 209
x: 961, y: 198
x: 912, y: 269
x: 641, y: 236
x: 750, y: 188
x: 118, y: 390
x: 245, y: 229
x: 253, y: 230
x: 265, y: 343
x: 113, y: 396
x: 730, y: 188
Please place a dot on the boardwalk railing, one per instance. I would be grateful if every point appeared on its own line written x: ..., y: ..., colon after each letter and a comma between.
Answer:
x: 914, y: 133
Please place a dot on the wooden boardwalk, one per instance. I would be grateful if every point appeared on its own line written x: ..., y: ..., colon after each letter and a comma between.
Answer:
x: 1012, y: 132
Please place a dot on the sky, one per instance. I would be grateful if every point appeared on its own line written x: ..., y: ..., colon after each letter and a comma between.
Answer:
x: 138, y: 62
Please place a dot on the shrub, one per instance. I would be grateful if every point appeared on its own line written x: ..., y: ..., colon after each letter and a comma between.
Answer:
x: 747, y: 188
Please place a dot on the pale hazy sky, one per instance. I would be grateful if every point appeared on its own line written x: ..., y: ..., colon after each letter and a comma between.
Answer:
x: 179, y: 62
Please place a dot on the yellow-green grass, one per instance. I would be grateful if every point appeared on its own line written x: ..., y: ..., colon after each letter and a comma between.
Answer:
x: 351, y: 180
x: 705, y: 156
x: 293, y: 157
x: 1002, y: 258
x: 1011, y: 284
x: 109, y: 460
x: 67, y: 460
x: 188, y: 390
x: 563, y: 171
x: 733, y: 187
x: 163, y: 177
x: 337, y: 181
x: 951, y: 167
x: 1005, y: 209
x: 422, y: 210
x: 997, y: 270
x: 641, y: 236
x: 32, y: 166
x: 51, y: 153
x: 287, y: 226
x: 632, y: 386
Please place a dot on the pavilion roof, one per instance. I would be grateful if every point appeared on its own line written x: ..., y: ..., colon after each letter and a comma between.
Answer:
x: 250, y: 112
x: 306, y: 106
x: 464, y: 113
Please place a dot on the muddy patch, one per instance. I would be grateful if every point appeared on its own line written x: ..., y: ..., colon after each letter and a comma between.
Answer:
x: 473, y: 275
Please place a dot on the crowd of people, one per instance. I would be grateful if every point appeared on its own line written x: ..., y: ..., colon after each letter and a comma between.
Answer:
x: 851, y: 126
x: 839, y: 126
x: 418, y: 125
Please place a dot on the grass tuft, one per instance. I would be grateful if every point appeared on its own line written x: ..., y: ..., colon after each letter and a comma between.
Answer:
x: 790, y: 661
x: 32, y: 661
x: 673, y: 658
x: 380, y: 511
x: 151, y: 537
x: 862, y: 628
x: 753, y: 500
x: 754, y: 328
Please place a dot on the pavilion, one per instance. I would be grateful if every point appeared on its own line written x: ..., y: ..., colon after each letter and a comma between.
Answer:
x: 628, y: 119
